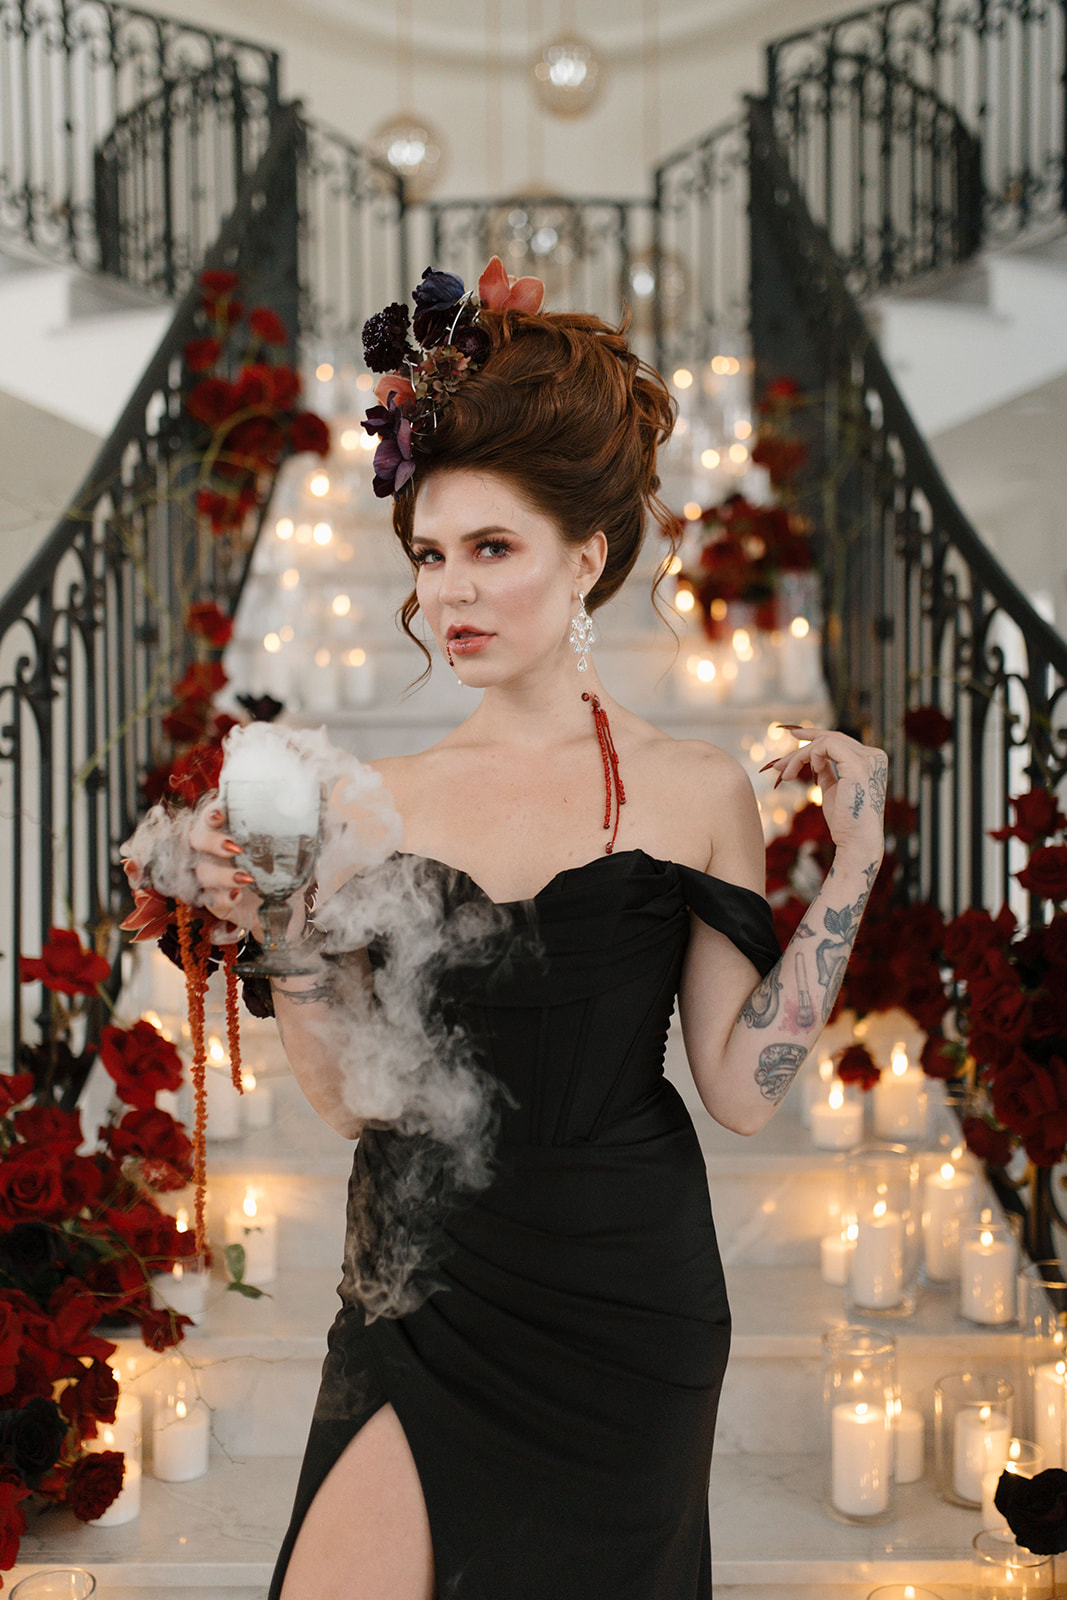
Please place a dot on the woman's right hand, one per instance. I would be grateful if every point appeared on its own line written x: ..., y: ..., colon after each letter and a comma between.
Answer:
x: 225, y: 888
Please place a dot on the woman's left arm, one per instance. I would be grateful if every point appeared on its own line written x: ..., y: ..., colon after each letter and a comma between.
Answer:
x: 746, y: 1044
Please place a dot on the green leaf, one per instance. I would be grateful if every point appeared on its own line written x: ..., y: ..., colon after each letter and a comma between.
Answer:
x: 249, y: 1290
x: 235, y: 1263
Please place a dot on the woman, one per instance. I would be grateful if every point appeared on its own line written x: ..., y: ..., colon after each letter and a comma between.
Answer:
x: 541, y: 1425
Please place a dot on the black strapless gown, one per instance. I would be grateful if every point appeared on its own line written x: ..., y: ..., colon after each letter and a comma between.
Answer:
x: 559, y: 1390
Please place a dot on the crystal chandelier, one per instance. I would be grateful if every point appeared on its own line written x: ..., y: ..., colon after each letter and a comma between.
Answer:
x: 567, y: 75
x: 414, y: 150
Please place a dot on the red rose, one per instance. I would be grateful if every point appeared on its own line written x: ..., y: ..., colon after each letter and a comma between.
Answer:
x: 39, y: 1184
x: 141, y: 1062
x: 95, y: 1481
x: 73, y: 1313
x: 309, y: 432
x: 11, y: 1326
x: 999, y: 1011
x: 1045, y: 874
x: 188, y: 720
x: 14, y: 1088
x: 211, y: 401
x: 1030, y: 1098
x: 91, y: 1399
x: 783, y: 458
x: 154, y: 1137
x: 49, y: 1125
x: 64, y: 965
x: 217, y: 282
x: 267, y: 325
x: 1036, y: 816
x: 161, y: 1329
x: 856, y: 1065
x: 1055, y: 942
x: 987, y: 1142
x: 207, y: 621
x: 928, y: 727
x: 202, y: 354
x: 255, y: 445
x: 973, y: 934
x: 941, y: 1058
x: 12, y: 1517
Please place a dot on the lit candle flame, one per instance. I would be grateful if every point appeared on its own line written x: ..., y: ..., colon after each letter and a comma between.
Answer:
x: 1014, y: 1450
x: 861, y: 1409
x: 109, y: 1436
x: 852, y: 1231
x: 181, y: 1220
x: 837, y: 1097
x: 248, y: 1081
x: 181, y: 1410
x: 899, y: 1060
x: 948, y: 1171
x: 249, y: 1204
x: 826, y: 1068
x: 215, y: 1053
x: 1061, y: 1368
x: 880, y: 1208
x: 179, y: 1272
x: 985, y: 1238
x: 984, y: 1412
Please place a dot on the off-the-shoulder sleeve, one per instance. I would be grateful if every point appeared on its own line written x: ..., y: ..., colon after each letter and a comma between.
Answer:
x: 741, y: 914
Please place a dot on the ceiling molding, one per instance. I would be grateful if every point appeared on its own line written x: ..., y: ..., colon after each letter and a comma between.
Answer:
x: 682, y: 24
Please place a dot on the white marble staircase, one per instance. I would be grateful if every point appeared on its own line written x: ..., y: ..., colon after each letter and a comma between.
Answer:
x: 258, y: 1361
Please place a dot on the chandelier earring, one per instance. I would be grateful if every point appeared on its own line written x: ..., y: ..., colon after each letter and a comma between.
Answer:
x: 583, y: 636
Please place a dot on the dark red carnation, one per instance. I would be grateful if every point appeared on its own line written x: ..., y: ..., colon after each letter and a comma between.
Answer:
x: 205, y: 620
x: 211, y: 401
x: 855, y: 1064
x: 202, y: 354
x: 95, y: 1482
x: 309, y: 432
x: 988, y: 1143
x: 267, y: 325
x: 141, y: 1062
x: 49, y: 1125
x: 14, y: 1088
x: 928, y: 727
x: 154, y: 1137
x: 217, y: 282
x: 1045, y: 874
x: 64, y: 965
x: 1037, y: 815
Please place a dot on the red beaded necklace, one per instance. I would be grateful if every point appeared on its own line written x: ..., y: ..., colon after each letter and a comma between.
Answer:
x: 615, y: 794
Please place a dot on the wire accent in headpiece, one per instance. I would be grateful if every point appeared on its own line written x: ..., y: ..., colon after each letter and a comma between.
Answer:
x: 422, y: 377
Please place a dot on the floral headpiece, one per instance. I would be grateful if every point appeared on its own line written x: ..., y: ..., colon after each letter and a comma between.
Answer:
x: 421, y: 377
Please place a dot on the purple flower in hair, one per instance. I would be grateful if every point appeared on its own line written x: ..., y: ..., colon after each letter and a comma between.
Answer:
x: 393, y: 465
x: 436, y: 298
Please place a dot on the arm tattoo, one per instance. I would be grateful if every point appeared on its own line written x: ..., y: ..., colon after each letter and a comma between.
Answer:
x: 778, y: 1066
x: 761, y: 1007
x: 805, y: 931
x: 831, y: 957
x: 879, y: 782
x: 805, y: 1009
x: 857, y: 804
x: 306, y: 997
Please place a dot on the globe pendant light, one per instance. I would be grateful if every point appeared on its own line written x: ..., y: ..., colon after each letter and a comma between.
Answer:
x: 568, y: 75
x: 414, y: 150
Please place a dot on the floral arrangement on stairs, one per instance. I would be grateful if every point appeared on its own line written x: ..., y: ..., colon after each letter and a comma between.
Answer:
x: 739, y: 551
x: 991, y: 996
x: 82, y: 1231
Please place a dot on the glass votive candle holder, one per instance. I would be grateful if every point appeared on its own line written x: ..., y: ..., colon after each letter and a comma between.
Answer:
x: 988, y: 1270
x: 1026, y: 1460
x: 972, y: 1433
x: 949, y: 1204
x: 860, y: 1400
x: 1005, y: 1571
x: 880, y: 1191
x: 1043, y: 1318
x: 909, y: 1438
x: 903, y: 1591
x: 837, y: 1121
x: 66, y: 1583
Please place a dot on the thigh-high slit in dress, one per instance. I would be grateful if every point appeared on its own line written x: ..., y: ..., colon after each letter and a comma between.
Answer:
x: 559, y: 1388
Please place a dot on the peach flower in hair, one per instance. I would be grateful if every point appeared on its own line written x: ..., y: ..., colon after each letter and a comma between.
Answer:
x: 499, y: 292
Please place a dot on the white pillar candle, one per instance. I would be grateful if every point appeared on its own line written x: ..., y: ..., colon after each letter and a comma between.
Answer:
x: 859, y: 1460
x: 909, y: 1435
x: 981, y: 1443
x: 184, y: 1290
x: 878, y: 1260
x: 900, y: 1100
x: 1050, y: 1388
x: 127, y: 1503
x: 816, y: 1088
x: 180, y: 1441
x: 125, y: 1432
x: 357, y: 678
x: 257, y: 1231
x: 948, y: 1202
x: 257, y: 1102
x: 835, y: 1256
x: 837, y: 1124
x: 223, y: 1100
x: 987, y: 1279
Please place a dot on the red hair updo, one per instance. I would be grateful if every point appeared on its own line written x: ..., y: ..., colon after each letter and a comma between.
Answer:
x: 571, y: 418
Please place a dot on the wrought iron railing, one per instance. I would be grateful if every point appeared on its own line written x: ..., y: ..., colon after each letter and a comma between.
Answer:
x: 176, y: 100
x: 998, y: 64
x: 917, y: 611
x: 91, y: 635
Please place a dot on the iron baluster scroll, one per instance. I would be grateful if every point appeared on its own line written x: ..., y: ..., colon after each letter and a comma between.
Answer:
x: 91, y: 636
x: 998, y: 65
x: 72, y: 73
x: 918, y: 613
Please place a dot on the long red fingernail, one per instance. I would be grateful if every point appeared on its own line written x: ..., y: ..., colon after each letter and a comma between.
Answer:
x: 767, y: 765
x: 777, y: 780
x: 243, y: 877
x: 231, y: 848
